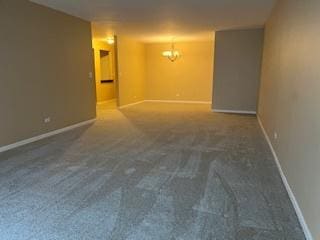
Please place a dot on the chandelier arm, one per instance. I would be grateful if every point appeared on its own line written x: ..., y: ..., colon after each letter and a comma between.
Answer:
x: 173, y: 58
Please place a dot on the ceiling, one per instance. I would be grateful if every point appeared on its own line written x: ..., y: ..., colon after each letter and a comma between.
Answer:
x: 160, y: 20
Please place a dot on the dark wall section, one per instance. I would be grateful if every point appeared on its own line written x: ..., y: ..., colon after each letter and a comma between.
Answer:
x: 238, y: 55
x: 45, y: 60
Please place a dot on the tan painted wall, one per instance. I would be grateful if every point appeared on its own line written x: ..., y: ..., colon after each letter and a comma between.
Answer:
x: 131, y: 70
x: 189, y: 78
x: 290, y: 97
x: 238, y: 55
x: 106, y: 70
x: 105, y: 92
x: 45, y: 60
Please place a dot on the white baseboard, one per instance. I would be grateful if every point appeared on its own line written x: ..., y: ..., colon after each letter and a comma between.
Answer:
x: 164, y: 101
x: 108, y: 101
x: 178, y: 101
x: 45, y: 135
x: 288, y: 188
x: 130, y: 105
x: 234, y: 111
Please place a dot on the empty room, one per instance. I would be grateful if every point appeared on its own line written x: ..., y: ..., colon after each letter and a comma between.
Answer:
x: 156, y: 120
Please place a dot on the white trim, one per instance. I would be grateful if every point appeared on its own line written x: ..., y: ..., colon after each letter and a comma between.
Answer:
x: 178, y: 101
x: 108, y: 101
x: 234, y: 111
x: 45, y: 135
x: 131, y: 104
x: 288, y: 188
x: 164, y: 101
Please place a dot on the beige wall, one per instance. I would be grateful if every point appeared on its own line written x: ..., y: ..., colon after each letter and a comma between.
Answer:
x: 131, y: 70
x: 105, y: 65
x: 290, y: 97
x: 45, y: 60
x: 105, y: 91
x: 238, y: 55
x: 189, y: 78
x: 144, y: 74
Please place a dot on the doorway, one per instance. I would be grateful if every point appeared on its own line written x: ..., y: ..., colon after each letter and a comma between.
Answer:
x: 105, y: 74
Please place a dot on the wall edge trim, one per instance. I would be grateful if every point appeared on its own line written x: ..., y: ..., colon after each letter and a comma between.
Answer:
x: 45, y: 135
x: 234, y: 111
x: 178, y: 101
x: 107, y: 101
x: 293, y: 199
x: 130, y: 104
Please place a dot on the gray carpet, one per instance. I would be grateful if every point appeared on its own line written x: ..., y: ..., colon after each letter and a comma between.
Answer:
x: 152, y: 171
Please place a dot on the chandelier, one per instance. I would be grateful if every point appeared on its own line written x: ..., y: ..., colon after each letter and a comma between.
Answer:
x: 172, y: 54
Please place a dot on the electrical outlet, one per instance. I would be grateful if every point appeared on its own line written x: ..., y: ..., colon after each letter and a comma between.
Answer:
x: 47, y: 120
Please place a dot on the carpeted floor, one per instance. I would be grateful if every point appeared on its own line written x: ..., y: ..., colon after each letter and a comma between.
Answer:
x: 148, y: 172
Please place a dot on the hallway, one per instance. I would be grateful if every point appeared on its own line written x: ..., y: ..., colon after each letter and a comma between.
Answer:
x: 151, y: 171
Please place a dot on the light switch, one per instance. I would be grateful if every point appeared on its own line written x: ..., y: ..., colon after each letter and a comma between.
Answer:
x: 90, y: 75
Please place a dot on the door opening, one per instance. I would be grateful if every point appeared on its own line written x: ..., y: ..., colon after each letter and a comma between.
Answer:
x: 105, y: 74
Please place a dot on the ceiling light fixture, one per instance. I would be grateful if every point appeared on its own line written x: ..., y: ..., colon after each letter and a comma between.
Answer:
x: 172, y: 54
x: 110, y: 40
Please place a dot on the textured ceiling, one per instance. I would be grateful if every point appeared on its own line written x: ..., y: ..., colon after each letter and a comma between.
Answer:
x: 160, y: 20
